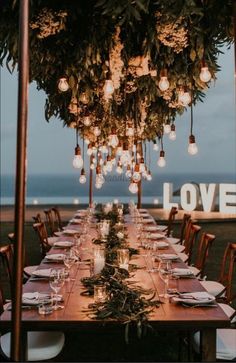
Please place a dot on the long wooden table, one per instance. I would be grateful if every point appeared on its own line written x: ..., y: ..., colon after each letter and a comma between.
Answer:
x: 167, y: 316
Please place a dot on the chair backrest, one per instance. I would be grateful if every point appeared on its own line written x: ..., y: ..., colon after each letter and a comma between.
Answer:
x: 41, y: 232
x: 203, y: 251
x: 57, y: 219
x: 186, y: 218
x: 6, y: 256
x: 37, y: 218
x: 1, y: 300
x: 191, y: 234
x: 171, y: 219
x: 227, y: 270
x: 50, y: 221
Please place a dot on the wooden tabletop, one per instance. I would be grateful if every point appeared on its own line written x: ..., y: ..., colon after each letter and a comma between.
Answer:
x: 169, y: 315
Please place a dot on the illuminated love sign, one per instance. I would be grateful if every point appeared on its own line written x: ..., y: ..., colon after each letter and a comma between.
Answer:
x: 192, y: 194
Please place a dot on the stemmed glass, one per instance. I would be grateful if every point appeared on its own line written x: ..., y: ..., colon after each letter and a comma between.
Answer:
x: 69, y: 260
x: 164, y: 273
x: 56, y: 282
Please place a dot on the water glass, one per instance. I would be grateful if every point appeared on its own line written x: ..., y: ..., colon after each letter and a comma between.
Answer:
x: 164, y: 273
x: 100, y: 293
x: 56, y: 281
x: 123, y: 258
x: 45, y: 307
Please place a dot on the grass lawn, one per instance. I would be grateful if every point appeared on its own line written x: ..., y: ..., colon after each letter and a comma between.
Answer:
x: 109, y: 346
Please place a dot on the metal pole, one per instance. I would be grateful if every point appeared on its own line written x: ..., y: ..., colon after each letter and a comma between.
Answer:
x: 22, y: 117
x: 90, y: 184
x: 140, y: 194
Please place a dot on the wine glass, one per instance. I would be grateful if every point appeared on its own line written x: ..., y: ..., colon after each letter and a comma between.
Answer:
x: 69, y: 260
x: 56, y: 282
x: 164, y: 273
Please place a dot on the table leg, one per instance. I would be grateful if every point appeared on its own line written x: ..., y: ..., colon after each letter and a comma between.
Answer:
x: 24, y: 345
x: 208, y: 343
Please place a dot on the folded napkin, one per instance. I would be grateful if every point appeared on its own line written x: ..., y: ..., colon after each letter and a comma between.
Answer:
x: 193, y: 298
x: 169, y: 256
x: 42, y: 272
x: 63, y: 244
x: 156, y: 236
x: 150, y: 228
x: 70, y: 231
x: 59, y: 233
x: 75, y: 221
x: 161, y: 228
x: 35, y: 298
x: 55, y: 256
x: 181, y: 272
x: 160, y: 244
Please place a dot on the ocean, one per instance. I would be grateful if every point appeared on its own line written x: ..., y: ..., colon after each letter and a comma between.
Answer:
x: 66, y: 189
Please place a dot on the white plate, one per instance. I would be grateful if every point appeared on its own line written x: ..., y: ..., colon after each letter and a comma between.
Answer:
x: 55, y: 257
x: 181, y: 272
x: 161, y: 228
x: 150, y: 228
x: 147, y: 221
x: 63, y: 244
x: 42, y: 273
x: 75, y: 221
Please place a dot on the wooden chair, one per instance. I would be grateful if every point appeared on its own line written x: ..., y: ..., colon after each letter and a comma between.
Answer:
x: 171, y: 219
x: 179, y: 241
x: 42, y: 345
x: 41, y: 232
x: 50, y: 221
x: 37, y: 218
x: 57, y: 219
x: 203, y: 251
x: 28, y: 269
x: 223, y: 288
x: 6, y: 257
x: 190, y: 238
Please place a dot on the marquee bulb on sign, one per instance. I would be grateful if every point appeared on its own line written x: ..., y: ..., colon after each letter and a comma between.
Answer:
x: 205, y: 75
x: 192, y: 146
x: 82, y: 178
x: 63, y: 84
x: 161, y: 161
x: 163, y: 83
x: 78, y: 160
x: 133, y: 187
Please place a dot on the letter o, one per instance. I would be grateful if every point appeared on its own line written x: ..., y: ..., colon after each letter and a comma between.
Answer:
x: 189, y: 197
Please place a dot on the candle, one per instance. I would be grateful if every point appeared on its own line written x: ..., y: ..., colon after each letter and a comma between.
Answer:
x: 99, y: 263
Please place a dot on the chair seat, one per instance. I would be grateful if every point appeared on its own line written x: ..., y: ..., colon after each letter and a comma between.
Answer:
x: 194, y: 270
x: 178, y: 248
x: 213, y: 287
x: 28, y: 270
x: 183, y: 256
x: 41, y: 345
x: 225, y: 344
x: 172, y: 240
x: 229, y: 311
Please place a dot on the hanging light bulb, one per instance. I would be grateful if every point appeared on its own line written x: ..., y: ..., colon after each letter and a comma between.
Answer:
x: 167, y: 128
x: 96, y: 131
x: 119, y: 169
x: 104, y: 148
x: 161, y: 161
x: 113, y: 139
x: 136, y: 175
x: 133, y: 187
x: 86, y: 141
x: 78, y: 160
x: 184, y: 97
x: 128, y: 171
x: 87, y: 121
x: 125, y: 157
x: 84, y: 98
x: 98, y: 185
x: 108, y: 88
x: 163, y: 83
x: 155, y: 145
x: 192, y: 146
x: 172, y: 134
x: 142, y: 168
x: 149, y: 176
x: 94, y: 149
x: 130, y: 130
x: 109, y: 164
x: 89, y: 150
x: 82, y: 178
x: 119, y: 149
x: 63, y: 84
x: 205, y: 75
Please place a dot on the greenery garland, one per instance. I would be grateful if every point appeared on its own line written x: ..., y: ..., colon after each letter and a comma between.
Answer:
x: 132, y: 41
x: 125, y: 301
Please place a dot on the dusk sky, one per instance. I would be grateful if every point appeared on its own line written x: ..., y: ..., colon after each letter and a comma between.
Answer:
x: 51, y: 147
